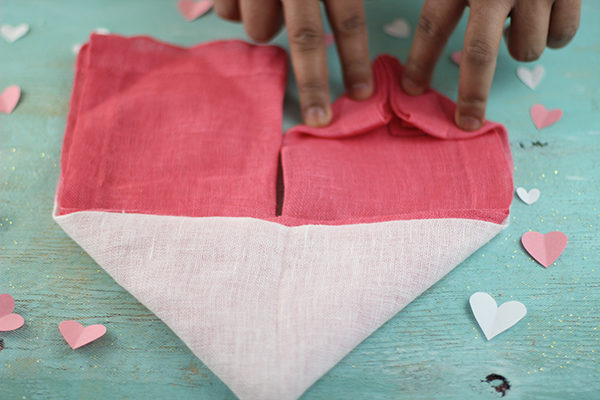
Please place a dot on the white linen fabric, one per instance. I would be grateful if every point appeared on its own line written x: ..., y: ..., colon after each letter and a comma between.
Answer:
x: 267, y: 307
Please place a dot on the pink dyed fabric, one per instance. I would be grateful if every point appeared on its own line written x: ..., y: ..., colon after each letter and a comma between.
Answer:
x: 159, y: 129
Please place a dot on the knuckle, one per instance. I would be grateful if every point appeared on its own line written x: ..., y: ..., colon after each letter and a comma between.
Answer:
x: 314, y: 88
x: 473, y: 101
x: 428, y: 29
x: 306, y: 38
x: 479, y: 52
x: 351, y: 24
x: 357, y: 69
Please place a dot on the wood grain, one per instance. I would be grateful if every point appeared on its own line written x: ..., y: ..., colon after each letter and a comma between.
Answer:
x: 433, y: 349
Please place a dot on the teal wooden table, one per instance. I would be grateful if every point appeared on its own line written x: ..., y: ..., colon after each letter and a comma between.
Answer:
x: 433, y: 349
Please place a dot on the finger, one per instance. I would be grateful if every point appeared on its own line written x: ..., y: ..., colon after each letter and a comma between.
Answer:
x: 227, y: 9
x: 262, y: 20
x: 437, y: 21
x: 309, y: 58
x: 564, y: 22
x: 347, y: 18
x: 528, y: 31
x: 478, y: 61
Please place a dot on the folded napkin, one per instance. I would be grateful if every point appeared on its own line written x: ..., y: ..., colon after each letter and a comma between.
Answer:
x: 169, y: 180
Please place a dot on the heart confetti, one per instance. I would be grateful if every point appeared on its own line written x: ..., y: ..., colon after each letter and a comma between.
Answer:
x: 13, y: 33
x: 492, y: 319
x: 531, y: 78
x: 100, y: 31
x: 9, y: 99
x: 542, y: 118
x: 77, y: 335
x: 399, y: 28
x: 329, y: 39
x: 190, y: 10
x: 528, y: 197
x: 545, y: 249
x: 8, y: 320
x: 456, y: 57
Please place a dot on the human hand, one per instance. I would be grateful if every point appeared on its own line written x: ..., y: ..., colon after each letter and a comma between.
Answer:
x: 262, y: 20
x: 535, y: 24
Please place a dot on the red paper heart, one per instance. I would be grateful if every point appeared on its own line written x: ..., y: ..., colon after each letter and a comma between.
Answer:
x: 545, y: 249
x: 9, y: 99
x: 542, y: 117
x: 78, y: 335
x: 192, y: 9
x: 8, y: 320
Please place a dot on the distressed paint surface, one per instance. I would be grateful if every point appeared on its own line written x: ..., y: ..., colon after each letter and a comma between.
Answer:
x: 433, y: 349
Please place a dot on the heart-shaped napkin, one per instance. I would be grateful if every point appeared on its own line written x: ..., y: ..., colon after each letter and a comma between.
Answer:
x: 183, y: 209
x: 9, y: 321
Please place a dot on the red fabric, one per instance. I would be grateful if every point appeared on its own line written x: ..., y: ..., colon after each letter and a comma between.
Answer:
x: 159, y: 129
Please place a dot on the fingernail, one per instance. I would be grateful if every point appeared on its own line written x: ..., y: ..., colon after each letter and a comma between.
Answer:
x: 468, y: 123
x: 361, y: 91
x: 410, y: 86
x: 316, y: 116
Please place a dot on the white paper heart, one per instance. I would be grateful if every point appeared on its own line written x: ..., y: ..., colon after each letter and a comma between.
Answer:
x: 13, y: 33
x: 528, y: 197
x: 531, y: 78
x: 398, y: 28
x: 100, y: 31
x: 492, y: 319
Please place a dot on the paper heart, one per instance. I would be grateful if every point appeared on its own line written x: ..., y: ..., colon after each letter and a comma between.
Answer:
x: 398, y: 28
x: 8, y: 320
x: 545, y: 249
x: 9, y: 99
x: 456, y: 57
x: 100, y: 31
x: 329, y: 39
x: 13, y: 33
x: 531, y: 78
x: 492, y: 319
x: 77, y: 335
x: 528, y: 197
x: 542, y: 117
x: 194, y: 9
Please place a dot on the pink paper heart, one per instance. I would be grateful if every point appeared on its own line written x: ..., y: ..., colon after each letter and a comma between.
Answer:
x: 456, y: 57
x: 545, y: 249
x: 194, y: 9
x: 77, y: 335
x: 9, y: 99
x: 542, y: 117
x: 329, y: 39
x: 8, y: 320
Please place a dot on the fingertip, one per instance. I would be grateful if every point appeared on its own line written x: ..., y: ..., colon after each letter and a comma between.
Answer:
x: 467, y: 122
x: 317, y: 116
x: 410, y: 86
